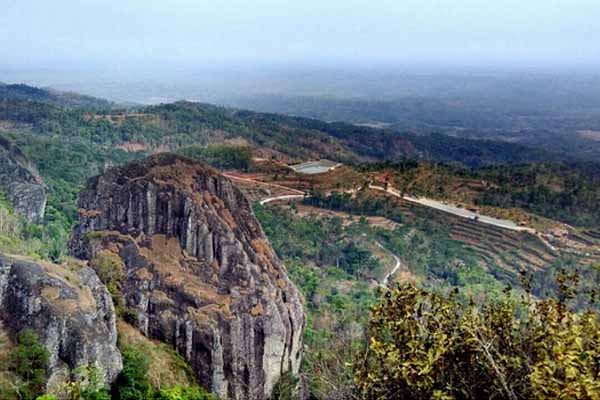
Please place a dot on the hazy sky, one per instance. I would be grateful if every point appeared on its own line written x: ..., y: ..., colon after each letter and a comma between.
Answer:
x: 193, y: 33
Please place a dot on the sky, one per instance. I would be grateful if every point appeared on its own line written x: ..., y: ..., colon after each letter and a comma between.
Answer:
x: 155, y: 34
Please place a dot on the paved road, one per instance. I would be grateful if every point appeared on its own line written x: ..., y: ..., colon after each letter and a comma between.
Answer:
x: 386, y: 279
x: 284, y: 197
x: 461, y: 212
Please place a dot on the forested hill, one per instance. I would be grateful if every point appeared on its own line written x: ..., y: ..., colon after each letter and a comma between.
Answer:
x: 169, y: 126
x: 62, y: 99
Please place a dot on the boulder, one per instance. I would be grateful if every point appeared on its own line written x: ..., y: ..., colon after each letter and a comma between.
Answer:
x: 71, y: 311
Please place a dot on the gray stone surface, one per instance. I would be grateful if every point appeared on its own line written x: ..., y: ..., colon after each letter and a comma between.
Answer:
x: 21, y: 183
x: 201, y: 274
x: 72, y: 313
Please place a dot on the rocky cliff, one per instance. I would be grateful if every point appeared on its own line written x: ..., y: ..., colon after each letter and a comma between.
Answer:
x: 71, y: 311
x: 21, y: 183
x: 199, y: 272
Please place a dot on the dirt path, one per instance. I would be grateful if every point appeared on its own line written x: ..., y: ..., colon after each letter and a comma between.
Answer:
x: 239, y: 178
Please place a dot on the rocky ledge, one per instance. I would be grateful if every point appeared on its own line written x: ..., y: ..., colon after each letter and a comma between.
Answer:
x: 198, y: 271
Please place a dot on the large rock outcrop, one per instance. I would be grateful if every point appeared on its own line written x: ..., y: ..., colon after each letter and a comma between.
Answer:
x: 199, y: 271
x: 21, y: 183
x: 71, y: 311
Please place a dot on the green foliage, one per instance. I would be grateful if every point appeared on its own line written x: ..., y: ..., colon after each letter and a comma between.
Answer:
x: 87, y: 385
x: 110, y: 269
x: 358, y: 205
x: 132, y: 382
x: 357, y: 261
x: 337, y: 298
x: 29, y: 360
x: 24, y: 92
x: 323, y: 241
x: 423, y: 345
x: 183, y: 393
x: 46, y: 240
x: 221, y: 156
x: 566, y: 192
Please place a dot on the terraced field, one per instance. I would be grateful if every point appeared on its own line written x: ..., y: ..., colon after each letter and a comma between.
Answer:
x: 504, y: 252
x: 501, y: 251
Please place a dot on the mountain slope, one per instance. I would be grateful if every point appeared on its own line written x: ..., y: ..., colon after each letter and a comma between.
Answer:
x: 54, y: 97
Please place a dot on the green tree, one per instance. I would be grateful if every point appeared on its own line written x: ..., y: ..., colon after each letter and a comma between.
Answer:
x: 132, y: 382
x: 29, y: 361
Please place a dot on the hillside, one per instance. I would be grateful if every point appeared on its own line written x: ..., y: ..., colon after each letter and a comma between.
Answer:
x: 170, y: 253
x: 54, y: 97
x: 567, y: 192
x: 170, y: 126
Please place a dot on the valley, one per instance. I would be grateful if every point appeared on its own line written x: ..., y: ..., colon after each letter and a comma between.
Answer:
x: 299, y: 200
x: 194, y: 216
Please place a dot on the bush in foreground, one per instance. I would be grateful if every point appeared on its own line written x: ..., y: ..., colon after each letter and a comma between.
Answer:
x: 424, y: 345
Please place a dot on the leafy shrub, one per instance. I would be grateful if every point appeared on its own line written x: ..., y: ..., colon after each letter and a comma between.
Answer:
x: 184, y: 393
x: 426, y: 346
x: 87, y: 385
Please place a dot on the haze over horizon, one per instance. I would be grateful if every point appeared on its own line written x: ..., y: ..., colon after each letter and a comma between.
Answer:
x: 146, y: 36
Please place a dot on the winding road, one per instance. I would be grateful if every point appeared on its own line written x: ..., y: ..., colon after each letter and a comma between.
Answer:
x: 282, y: 197
x: 386, y: 279
x: 437, y: 205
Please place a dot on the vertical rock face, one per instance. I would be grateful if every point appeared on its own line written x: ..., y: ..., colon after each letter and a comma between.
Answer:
x: 21, y: 183
x: 200, y: 273
x: 71, y: 312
